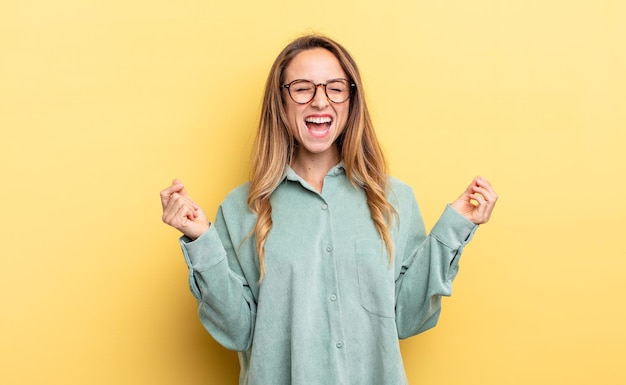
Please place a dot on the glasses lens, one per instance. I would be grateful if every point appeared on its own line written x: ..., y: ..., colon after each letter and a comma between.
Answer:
x: 302, y: 91
x: 338, y: 91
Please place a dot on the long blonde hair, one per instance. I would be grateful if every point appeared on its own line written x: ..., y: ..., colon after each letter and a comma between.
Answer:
x: 274, y: 147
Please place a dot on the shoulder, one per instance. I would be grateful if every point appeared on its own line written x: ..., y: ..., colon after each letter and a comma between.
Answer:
x: 399, y: 192
x: 238, y: 193
x: 234, y: 216
x: 237, y: 199
x: 396, y: 183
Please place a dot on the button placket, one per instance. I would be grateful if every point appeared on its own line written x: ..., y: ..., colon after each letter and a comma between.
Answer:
x: 329, y: 248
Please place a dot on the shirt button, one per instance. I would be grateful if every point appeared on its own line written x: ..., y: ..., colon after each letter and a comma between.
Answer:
x: 329, y: 248
x: 333, y: 297
x: 339, y: 345
x: 324, y: 206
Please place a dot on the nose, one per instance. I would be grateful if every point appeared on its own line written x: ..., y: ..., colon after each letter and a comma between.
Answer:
x: 320, y: 100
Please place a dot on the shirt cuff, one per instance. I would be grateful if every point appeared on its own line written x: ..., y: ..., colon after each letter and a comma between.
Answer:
x: 453, y: 229
x: 204, y: 252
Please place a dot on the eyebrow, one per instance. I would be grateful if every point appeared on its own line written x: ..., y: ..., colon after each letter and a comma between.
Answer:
x: 327, y: 81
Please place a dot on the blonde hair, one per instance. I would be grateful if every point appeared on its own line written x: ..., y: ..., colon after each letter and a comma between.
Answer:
x: 274, y: 147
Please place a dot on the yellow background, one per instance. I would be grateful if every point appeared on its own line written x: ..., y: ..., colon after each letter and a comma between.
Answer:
x: 102, y: 103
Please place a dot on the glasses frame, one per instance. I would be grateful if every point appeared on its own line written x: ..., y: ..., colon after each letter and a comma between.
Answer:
x: 288, y: 87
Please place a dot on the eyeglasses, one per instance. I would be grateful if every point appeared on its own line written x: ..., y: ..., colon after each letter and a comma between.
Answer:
x: 303, y: 91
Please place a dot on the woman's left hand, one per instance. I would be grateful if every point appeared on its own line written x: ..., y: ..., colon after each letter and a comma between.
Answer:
x: 477, y: 201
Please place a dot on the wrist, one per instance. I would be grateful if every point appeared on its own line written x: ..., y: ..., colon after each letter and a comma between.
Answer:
x: 197, y: 231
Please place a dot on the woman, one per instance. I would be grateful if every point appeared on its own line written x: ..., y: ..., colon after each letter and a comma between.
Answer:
x: 315, y: 268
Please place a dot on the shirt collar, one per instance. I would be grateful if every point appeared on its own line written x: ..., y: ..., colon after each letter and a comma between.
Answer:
x: 291, y: 175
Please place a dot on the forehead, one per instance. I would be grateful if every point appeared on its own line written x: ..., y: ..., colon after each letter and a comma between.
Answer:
x: 317, y: 64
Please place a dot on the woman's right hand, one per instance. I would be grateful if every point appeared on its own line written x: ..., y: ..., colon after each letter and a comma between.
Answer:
x: 181, y: 212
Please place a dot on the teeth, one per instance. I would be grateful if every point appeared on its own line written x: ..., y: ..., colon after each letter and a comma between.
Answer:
x: 318, y: 120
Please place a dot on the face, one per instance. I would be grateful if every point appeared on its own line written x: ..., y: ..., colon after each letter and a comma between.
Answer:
x: 317, y: 124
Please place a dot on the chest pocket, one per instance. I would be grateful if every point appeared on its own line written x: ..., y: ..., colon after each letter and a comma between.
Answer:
x: 375, y: 277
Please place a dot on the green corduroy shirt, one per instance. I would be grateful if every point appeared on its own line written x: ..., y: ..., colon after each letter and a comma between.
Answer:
x: 331, y: 308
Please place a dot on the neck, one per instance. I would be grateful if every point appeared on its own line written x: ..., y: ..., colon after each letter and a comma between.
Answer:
x: 313, y: 168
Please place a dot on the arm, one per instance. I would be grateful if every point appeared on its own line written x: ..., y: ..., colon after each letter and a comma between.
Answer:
x: 430, y: 263
x: 428, y: 270
x: 225, y: 304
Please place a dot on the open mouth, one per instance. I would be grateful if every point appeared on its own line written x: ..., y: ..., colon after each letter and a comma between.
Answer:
x: 319, y: 126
